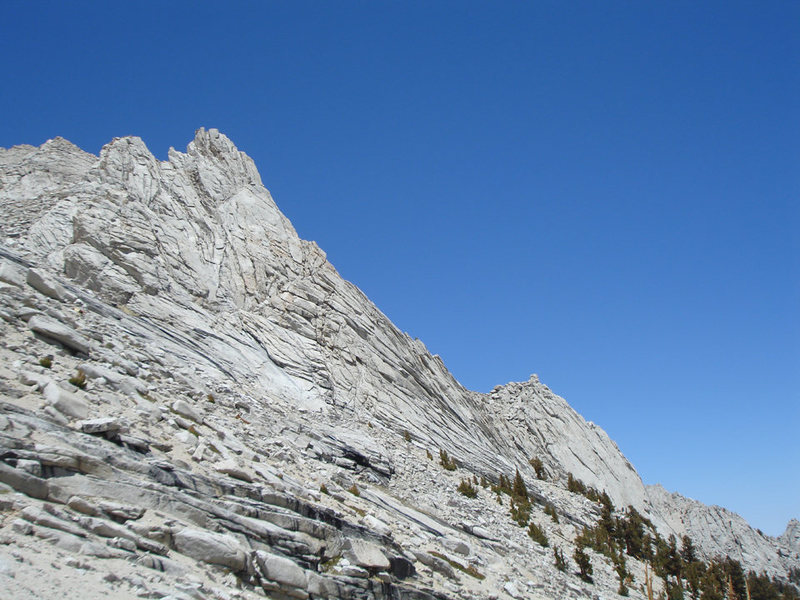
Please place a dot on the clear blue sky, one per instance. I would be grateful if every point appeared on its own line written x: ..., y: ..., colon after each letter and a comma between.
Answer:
x: 603, y: 193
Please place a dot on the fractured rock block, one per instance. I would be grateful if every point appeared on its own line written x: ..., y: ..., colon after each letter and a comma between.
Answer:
x: 66, y: 402
x: 45, y: 283
x: 12, y: 273
x: 365, y: 554
x: 100, y: 425
x: 231, y: 468
x: 63, y: 334
x: 212, y: 548
x: 21, y: 481
x: 184, y: 409
x: 281, y: 570
x: 34, y: 514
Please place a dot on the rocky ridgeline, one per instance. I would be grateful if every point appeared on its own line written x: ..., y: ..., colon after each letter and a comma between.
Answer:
x: 194, y: 404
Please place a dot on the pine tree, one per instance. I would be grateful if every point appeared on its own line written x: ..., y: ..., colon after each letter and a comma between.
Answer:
x: 448, y: 463
x: 647, y: 548
x: 519, y: 491
x: 674, y: 589
x: 537, y: 534
x: 605, y: 500
x: 735, y: 576
x: 618, y: 558
x: 694, y: 574
x: 575, y: 485
x: 583, y: 561
x: 503, y: 486
x: 712, y: 583
x: 673, y: 563
x: 561, y: 562
x: 466, y: 488
x: 538, y: 467
x: 688, y: 553
x: 550, y: 509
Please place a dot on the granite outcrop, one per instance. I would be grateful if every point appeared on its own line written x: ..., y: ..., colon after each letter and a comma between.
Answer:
x: 191, y: 395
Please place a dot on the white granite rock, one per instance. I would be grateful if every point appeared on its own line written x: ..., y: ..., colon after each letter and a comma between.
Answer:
x: 230, y: 467
x: 48, y: 285
x: 365, y: 554
x: 281, y: 569
x: 251, y: 378
x: 65, y: 402
x: 213, y: 548
x: 184, y: 409
x: 12, y: 273
x: 716, y: 531
x: 791, y: 537
x: 100, y: 425
x: 59, y: 332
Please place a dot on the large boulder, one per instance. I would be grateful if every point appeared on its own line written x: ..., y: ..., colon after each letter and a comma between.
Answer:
x: 45, y: 283
x: 22, y: 481
x: 281, y: 570
x: 366, y: 554
x: 212, y: 548
x: 12, y: 273
x: 66, y: 402
x: 63, y: 334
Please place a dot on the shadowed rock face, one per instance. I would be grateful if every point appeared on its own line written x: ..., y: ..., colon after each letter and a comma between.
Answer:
x: 163, y: 279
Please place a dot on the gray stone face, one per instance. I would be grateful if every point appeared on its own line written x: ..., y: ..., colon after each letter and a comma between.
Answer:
x: 23, y: 482
x: 791, y: 537
x: 716, y: 530
x: 55, y: 330
x: 281, y: 570
x: 213, y: 548
x: 47, y: 285
x: 100, y: 425
x: 11, y: 273
x: 365, y: 554
x: 65, y: 402
x: 185, y: 410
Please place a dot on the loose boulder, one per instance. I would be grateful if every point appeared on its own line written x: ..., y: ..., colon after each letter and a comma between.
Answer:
x: 212, y: 548
x: 366, y: 554
x: 281, y: 570
x: 55, y: 330
x: 66, y: 402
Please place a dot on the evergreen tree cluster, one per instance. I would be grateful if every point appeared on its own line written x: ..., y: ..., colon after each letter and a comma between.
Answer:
x: 538, y: 467
x: 467, y: 488
x: 520, y: 503
x: 576, y: 486
x: 448, y: 463
x: 685, y: 575
x: 763, y: 588
x: 618, y: 535
x: 538, y: 535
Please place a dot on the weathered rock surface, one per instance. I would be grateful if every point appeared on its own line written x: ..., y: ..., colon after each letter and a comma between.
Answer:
x: 213, y: 548
x: 65, y: 401
x: 791, y: 537
x: 254, y: 425
x: 718, y: 531
x: 54, y: 330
